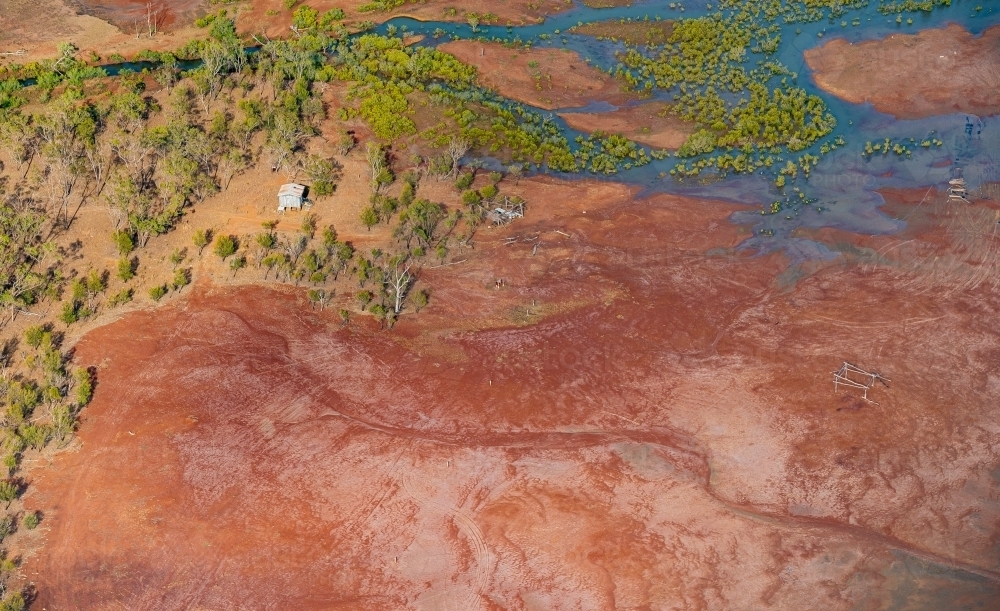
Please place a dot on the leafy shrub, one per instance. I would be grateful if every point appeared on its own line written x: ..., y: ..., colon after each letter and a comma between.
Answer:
x: 420, y: 299
x: 34, y: 335
x: 157, y: 292
x: 324, y: 174
x: 369, y: 217
x: 237, y: 263
x: 8, y: 491
x: 700, y: 142
x: 471, y: 197
x: 489, y: 192
x: 35, y: 436
x: 84, y: 387
x: 465, y: 181
x: 123, y: 241
x: 120, y: 298
x: 31, y: 520
x: 267, y: 241
x: 201, y: 238
x: 14, y: 602
x: 126, y: 268
x: 182, y: 278
x: 225, y: 245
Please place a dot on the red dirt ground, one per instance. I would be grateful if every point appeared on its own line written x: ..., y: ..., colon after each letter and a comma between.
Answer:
x: 640, y: 419
x: 126, y: 13
x: 37, y: 26
x: 545, y: 78
x: 274, y: 17
x: 643, y: 123
x: 936, y: 71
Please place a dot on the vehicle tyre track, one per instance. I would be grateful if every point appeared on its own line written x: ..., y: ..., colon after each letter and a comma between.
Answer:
x: 469, y: 528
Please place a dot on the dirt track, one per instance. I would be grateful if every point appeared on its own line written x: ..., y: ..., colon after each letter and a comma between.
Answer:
x: 641, y: 418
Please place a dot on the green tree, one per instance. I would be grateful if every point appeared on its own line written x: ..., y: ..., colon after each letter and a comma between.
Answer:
x: 420, y: 299
x: 201, y: 239
x: 123, y: 241
x: 68, y: 314
x: 267, y: 241
x: 324, y: 174
x: 96, y: 283
x: 317, y: 297
x: 380, y: 312
x: 330, y: 236
x: 84, y: 386
x: 157, y: 292
x: 8, y: 491
x: 488, y: 192
x: 35, y: 335
x: 35, y: 436
x: 237, y: 264
x: 225, y: 245
x: 182, y: 278
x: 121, y: 297
x: 369, y: 217
x: 126, y: 268
x: 13, y: 602
x: 465, y: 180
x: 308, y: 226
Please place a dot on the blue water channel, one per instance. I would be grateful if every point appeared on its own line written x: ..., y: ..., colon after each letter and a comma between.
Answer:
x: 844, y: 183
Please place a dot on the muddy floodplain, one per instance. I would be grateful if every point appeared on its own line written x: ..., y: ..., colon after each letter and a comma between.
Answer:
x: 641, y: 417
x: 933, y: 72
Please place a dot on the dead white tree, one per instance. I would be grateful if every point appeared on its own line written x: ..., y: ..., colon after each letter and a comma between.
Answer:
x: 375, y: 155
x: 457, y: 148
x: 399, y: 280
x: 151, y: 18
x: 516, y: 170
x: 294, y: 247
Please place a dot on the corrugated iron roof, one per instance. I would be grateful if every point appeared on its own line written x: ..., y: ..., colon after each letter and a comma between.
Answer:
x: 292, y: 189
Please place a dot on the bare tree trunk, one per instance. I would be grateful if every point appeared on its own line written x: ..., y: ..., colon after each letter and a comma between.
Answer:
x: 457, y: 148
x: 400, y: 283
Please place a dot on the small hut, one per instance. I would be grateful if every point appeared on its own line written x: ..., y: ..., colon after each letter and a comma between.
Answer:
x: 291, y: 196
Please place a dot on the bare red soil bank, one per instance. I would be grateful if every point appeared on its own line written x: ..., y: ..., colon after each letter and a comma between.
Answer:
x: 646, y: 123
x: 127, y: 13
x: 546, y: 78
x: 639, y: 419
x: 933, y: 72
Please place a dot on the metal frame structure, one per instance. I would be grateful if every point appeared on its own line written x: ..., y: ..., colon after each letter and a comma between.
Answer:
x: 506, y: 211
x: 868, y: 378
x: 957, y: 190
